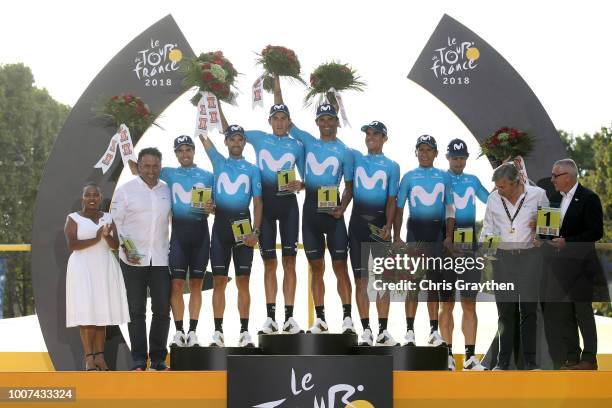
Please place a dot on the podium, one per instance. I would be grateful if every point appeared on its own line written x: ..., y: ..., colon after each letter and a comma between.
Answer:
x: 405, y: 358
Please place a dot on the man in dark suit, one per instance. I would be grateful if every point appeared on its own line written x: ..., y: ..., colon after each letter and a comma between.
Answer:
x: 574, y: 273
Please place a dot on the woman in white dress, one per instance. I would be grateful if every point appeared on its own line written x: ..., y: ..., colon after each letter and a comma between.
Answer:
x: 95, y: 292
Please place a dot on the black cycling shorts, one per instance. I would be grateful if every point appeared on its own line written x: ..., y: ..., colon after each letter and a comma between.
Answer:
x: 189, y: 249
x: 284, y: 210
x: 223, y: 247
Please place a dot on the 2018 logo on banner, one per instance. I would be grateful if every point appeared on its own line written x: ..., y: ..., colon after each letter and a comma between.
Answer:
x: 157, y: 59
x: 453, y: 62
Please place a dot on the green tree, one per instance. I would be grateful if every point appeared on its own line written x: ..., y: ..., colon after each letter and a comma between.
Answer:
x: 30, y: 120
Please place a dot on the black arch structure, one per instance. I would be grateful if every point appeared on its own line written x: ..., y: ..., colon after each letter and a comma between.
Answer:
x: 77, y: 148
x: 494, y: 96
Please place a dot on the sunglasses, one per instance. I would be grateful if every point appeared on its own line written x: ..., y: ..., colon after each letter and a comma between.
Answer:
x: 554, y: 176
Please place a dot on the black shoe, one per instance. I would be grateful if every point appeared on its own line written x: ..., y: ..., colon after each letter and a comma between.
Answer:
x: 159, y: 366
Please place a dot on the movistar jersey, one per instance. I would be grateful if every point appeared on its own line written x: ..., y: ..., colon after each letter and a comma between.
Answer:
x: 275, y: 153
x: 466, y: 188
x: 181, y: 180
x: 428, y: 191
x: 326, y: 162
x: 236, y: 181
x: 375, y: 179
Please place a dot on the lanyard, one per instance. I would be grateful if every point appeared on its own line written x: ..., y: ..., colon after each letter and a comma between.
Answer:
x: 511, y: 219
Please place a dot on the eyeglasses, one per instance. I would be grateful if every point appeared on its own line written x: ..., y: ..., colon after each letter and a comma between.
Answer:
x: 554, y: 176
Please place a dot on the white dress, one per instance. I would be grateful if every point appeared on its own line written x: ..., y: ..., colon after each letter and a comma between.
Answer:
x: 95, y: 292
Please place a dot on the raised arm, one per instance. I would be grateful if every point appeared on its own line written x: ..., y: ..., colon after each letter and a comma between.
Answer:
x: 278, y: 94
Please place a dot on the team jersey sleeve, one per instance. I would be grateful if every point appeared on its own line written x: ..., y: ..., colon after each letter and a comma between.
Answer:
x: 299, y: 159
x: 394, y: 180
x: 298, y: 134
x: 348, y: 165
x: 165, y: 175
x: 254, y: 137
x: 481, y: 192
x: 448, y: 190
x: 209, y: 179
x: 256, y: 181
x: 404, y: 190
x: 215, y: 157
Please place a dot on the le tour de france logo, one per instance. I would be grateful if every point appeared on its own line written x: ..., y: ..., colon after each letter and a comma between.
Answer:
x: 337, y: 395
x: 155, y: 61
x: 453, y: 62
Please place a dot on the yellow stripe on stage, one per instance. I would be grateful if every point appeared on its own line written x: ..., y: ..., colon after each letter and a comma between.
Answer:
x: 15, y: 247
x: 410, y: 389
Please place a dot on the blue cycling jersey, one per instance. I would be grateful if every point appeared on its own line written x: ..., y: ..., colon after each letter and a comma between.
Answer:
x: 376, y: 178
x: 275, y: 153
x: 466, y: 188
x: 181, y: 180
x: 236, y: 181
x: 326, y: 162
x: 428, y: 191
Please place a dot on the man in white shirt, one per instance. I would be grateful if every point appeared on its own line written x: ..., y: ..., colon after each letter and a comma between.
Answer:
x: 511, y: 213
x: 141, y: 210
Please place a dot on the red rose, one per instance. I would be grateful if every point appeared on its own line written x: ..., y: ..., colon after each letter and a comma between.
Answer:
x: 218, y: 62
x: 127, y: 98
x: 207, y: 76
x: 216, y: 86
x: 114, y: 98
x: 495, y: 141
x: 218, y: 54
x: 206, y: 66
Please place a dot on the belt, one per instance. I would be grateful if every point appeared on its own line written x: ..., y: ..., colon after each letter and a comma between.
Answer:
x: 508, y: 252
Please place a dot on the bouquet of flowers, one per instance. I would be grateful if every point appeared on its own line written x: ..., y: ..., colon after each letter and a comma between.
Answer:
x: 505, y: 144
x: 332, y: 75
x: 211, y: 72
x: 130, y: 110
x: 281, y: 61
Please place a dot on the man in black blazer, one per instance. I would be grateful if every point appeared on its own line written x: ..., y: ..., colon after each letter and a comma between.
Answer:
x: 575, y: 273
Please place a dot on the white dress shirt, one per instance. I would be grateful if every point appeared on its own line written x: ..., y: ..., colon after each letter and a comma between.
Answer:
x: 143, y: 214
x: 567, y: 200
x: 496, y: 220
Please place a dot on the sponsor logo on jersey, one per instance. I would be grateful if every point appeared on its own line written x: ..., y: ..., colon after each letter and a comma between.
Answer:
x: 319, y: 168
x: 361, y: 177
x: 427, y: 199
x: 462, y: 201
x: 180, y: 195
x: 274, y: 165
x: 231, y: 187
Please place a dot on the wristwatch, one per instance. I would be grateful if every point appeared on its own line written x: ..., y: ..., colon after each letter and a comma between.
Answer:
x: 256, y: 231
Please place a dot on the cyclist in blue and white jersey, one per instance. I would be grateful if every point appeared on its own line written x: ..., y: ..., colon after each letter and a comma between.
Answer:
x: 375, y: 186
x: 327, y: 161
x: 466, y: 188
x: 236, y: 182
x: 276, y: 152
x: 431, y: 221
x: 190, y: 239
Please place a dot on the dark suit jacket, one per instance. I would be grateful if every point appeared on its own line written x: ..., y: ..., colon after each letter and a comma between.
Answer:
x: 576, y: 268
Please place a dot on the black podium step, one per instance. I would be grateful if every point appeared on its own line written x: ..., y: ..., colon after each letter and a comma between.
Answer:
x: 307, y: 344
x: 206, y: 358
x: 410, y: 358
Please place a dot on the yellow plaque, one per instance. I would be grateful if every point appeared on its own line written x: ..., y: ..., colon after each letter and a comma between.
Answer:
x: 241, y: 228
x: 549, y: 221
x: 284, y: 177
x: 327, y: 198
x: 200, y: 196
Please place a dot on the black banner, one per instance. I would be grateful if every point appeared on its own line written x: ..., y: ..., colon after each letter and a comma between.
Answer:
x: 310, y: 381
x: 477, y: 83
